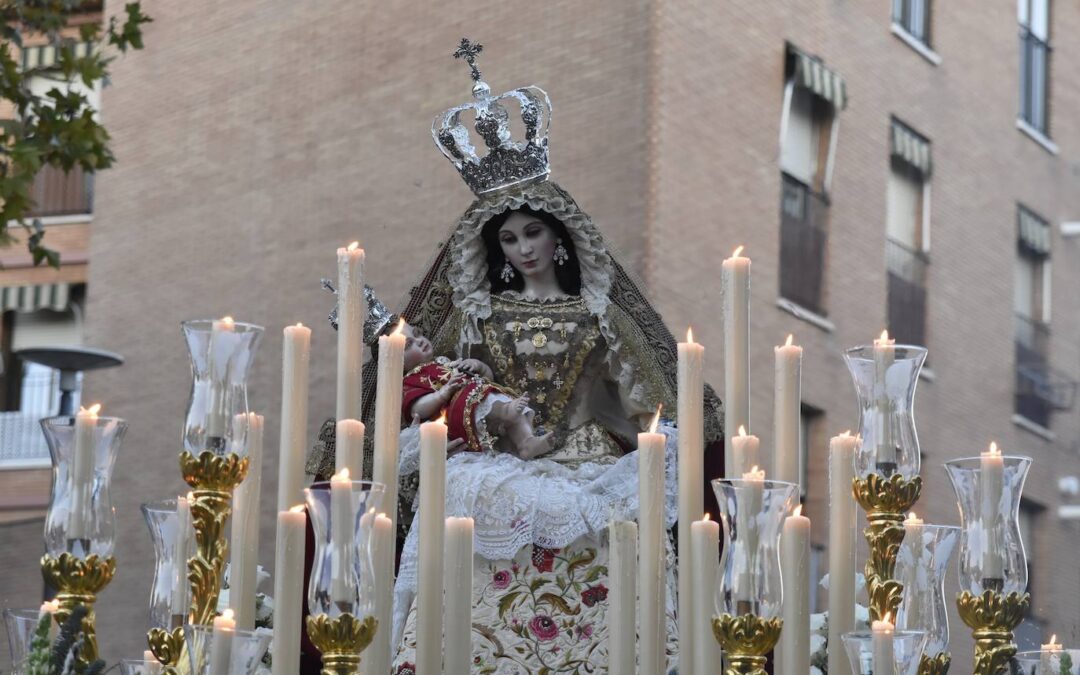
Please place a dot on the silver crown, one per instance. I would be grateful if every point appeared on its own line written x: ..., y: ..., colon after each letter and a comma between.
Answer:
x: 378, y: 318
x: 507, y: 162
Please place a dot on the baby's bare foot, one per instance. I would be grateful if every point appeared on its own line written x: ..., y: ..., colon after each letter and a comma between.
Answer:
x: 536, y: 446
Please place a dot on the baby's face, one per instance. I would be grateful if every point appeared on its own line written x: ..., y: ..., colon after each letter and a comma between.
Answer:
x: 418, y: 348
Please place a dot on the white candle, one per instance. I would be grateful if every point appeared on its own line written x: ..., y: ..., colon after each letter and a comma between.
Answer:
x: 884, y: 355
x: 221, y: 643
x: 704, y: 555
x: 991, y: 487
x: 735, y: 294
x: 622, y: 577
x: 50, y: 608
x: 884, y: 662
x: 691, y: 478
x: 349, y: 446
x: 296, y: 355
x: 432, y: 515
x: 787, y: 412
x: 458, y: 581
x: 288, y: 590
x: 842, y: 539
x: 795, y: 576
x: 651, y: 580
x: 151, y: 663
x: 342, y: 538
x: 244, y: 542
x: 1050, y: 657
x: 377, y: 656
x: 751, y: 493
x: 912, y: 603
x: 80, y: 515
x: 745, y: 448
x: 182, y: 548
x: 217, y: 364
x: 350, y: 294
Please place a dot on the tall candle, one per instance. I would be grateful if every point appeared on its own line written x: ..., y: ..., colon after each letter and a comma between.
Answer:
x: 377, y: 655
x: 842, y: 533
x: 884, y: 355
x: 432, y: 516
x: 221, y: 643
x: 691, y: 478
x: 751, y: 493
x: 221, y: 330
x: 296, y: 355
x: 795, y: 579
x: 244, y: 542
x: 884, y: 662
x: 913, y: 538
x: 50, y: 608
x: 178, y: 605
x: 1050, y: 657
x: 342, y: 538
x: 458, y: 580
x: 704, y: 554
x: 289, y: 590
x: 991, y: 487
x: 350, y: 335
x: 651, y: 586
x: 80, y: 515
x: 349, y: 446
x: 745, y: 448
x: 622, y: 596
x: 735, y: 294
x: 787, y: 412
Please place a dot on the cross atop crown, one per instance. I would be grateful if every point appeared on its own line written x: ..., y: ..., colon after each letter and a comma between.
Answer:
x: 469, y: 51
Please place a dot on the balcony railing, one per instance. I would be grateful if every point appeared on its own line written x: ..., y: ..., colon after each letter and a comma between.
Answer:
x: 803, y: 214
x: 1040, y: 389
x: 907, y: 293
x: 22, y: 443
x: 56, y: 193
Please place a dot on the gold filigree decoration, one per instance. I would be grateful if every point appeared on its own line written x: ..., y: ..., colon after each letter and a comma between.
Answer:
x: 341, y: 641
x: 746, y: 639
x: 78, y: 581
x: 885, y: 501
x: 166, y: 645
x: 935, y: 665
x: 992, y: 617
x: 213, y: 472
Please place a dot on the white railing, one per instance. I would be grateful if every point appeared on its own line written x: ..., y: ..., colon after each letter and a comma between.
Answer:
x: 22, y: 443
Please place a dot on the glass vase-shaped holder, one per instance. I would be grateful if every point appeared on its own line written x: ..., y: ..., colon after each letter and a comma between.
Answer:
x: 80, y: 528
x: 906, y: 650
x: 170, y: 594
x: 921, y: 565
x: 214, y: 459
x: 993, y: 572
x: 749, y: 592
x: 139, y: 667
x: 341, y: 590
x: 21, y: 625
x: 225, y: 651
x: 1047, y: 662
x: 887, y: 482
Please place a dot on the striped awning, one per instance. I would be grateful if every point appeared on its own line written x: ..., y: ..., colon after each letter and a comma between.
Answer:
x: 44, y: 56
x: 32, y: 298
x: 1034, y: 232
x: 910, y: 147
x: 811, y: 73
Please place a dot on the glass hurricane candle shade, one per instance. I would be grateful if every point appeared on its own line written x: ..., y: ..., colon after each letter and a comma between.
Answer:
x: 991, y: 551
x: 885, y: 379
x: 1048, y: 662
x: 907, y: 649
x: 21, y: 625
x: 81, y: 519
x: 342, y: 580
x: 221, y: 354
x: 752, y: 513
x: 920, y: 566
x: 170, y: 597
x: 225, y: 652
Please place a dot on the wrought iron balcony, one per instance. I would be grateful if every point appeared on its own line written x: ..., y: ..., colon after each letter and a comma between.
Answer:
x: 906, y: 293
x: 1040, y: 389
x: 56, y: 193
x: 803, y: 238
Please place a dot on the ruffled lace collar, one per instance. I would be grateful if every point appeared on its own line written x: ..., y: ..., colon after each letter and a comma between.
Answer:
x: 518, y: 296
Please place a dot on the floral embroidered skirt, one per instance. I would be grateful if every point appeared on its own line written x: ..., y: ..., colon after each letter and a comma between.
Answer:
x: 542, y: 612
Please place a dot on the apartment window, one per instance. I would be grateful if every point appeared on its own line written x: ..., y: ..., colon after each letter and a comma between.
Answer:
x: 907, y: 230
x: 1034, y: 17
x: 813, y: 95
x: 1031, y: 304
x: 913, y: 16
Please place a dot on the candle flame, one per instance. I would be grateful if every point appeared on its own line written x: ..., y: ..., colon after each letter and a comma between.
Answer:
x: 742, y: 431
x: 381, y: 515
x: 754, y: 474
x: 884, y: 335
x: 887, y: 618
x: 299, y: 508
x: 227, y: 614
x: 790, y: 337
x: 911, y: 517
x: 707, y: 516
x: 299, y: 325
x: 656, y: 419
x: 737, y: 252
x: 689, y: 335
x: 190, y: 496
x: 400, y: 327
x: 846, y: 434
x: 92, y: 410
x: 341, y: 475
x: 353, y: 246
x: 994, y: 450
x: 227, y: 320
x: 442, y: 417
x: 53, y: 606
x: 797, y: 511
x: 1053, y: 639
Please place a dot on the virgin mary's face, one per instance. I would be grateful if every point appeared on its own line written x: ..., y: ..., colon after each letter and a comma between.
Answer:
x: 528, y: 243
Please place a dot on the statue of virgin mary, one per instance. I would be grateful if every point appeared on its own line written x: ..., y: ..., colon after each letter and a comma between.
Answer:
x: 526, y: 285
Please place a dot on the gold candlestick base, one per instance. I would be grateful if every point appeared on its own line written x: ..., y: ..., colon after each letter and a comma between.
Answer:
x: 746, y: 639
x: 935, y: 665
x: 992, y: 617
x: 213, y: 479
x: 341, y: 641
x: 167, y: 646
x: 885, y: 501
x: 78, y: 581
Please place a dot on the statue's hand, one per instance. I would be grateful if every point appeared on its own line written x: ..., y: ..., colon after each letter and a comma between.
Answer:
x: 473, y: 367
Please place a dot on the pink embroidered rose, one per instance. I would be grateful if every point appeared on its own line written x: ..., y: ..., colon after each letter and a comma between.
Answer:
x: 543, y: 559
x: 501, y: 579
x: 584, y: 631
x: 543, y: 627
x: 591, y: 596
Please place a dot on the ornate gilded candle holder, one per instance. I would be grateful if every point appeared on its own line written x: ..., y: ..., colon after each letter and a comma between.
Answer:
x: 78, y: 581
x: 168, y: 610
x: 746, y: 640
x: 993, y: 566
x: 887, y: 482
x: 341, y: 641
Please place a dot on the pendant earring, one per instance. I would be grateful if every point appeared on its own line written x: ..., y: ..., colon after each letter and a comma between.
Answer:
x: 561, y: 254
x: 507, y: 272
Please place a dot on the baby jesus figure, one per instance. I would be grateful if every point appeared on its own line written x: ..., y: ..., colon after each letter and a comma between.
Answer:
x: 476, y: 408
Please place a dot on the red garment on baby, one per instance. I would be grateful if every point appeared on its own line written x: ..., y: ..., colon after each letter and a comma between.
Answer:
x: 461, y: 411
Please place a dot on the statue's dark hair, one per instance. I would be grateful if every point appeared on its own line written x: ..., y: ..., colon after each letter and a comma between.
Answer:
x: 568, y: 274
